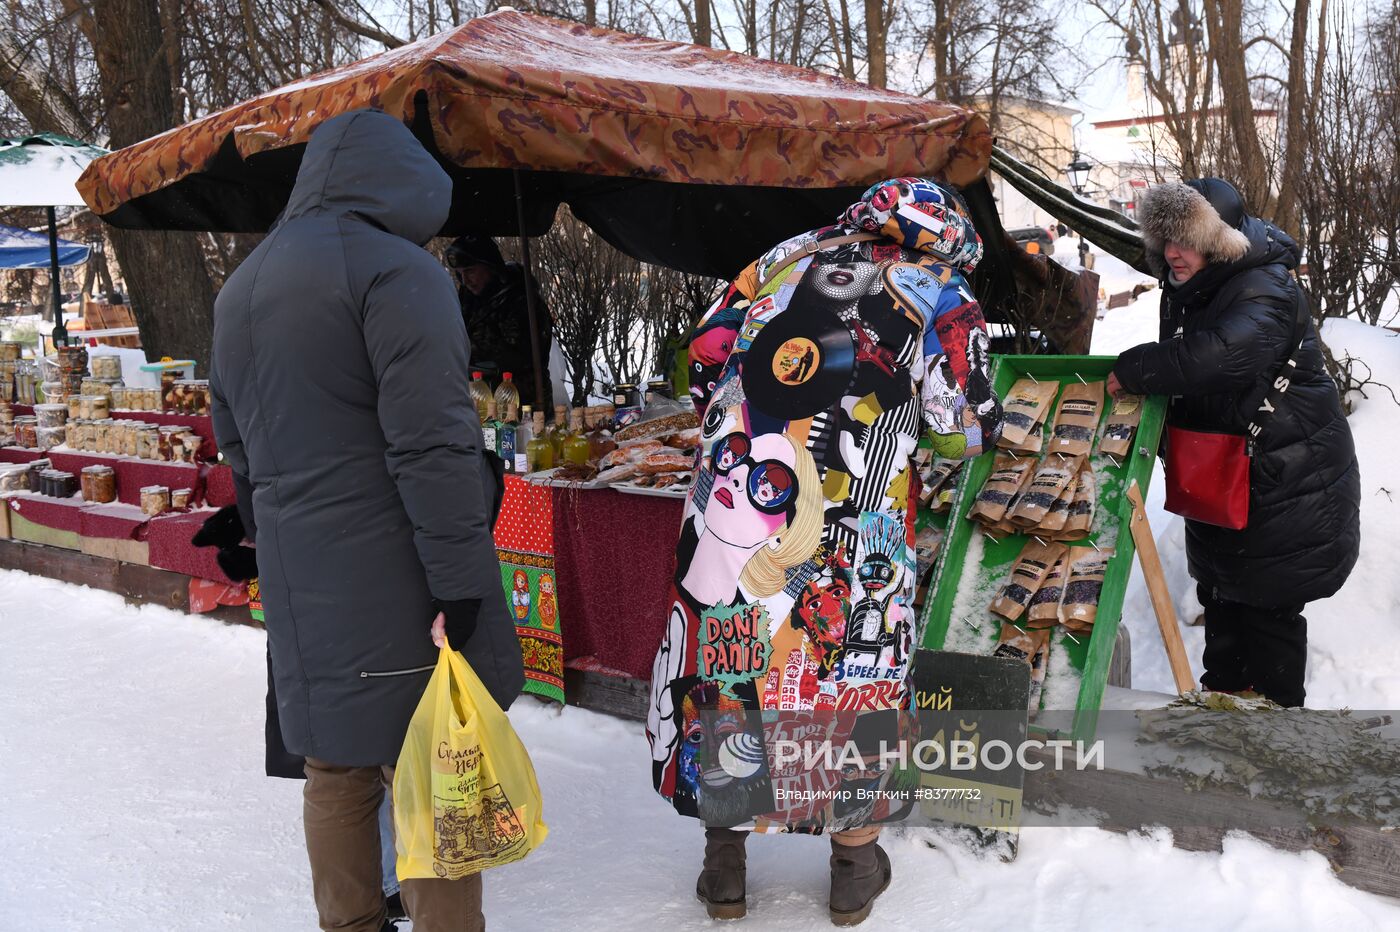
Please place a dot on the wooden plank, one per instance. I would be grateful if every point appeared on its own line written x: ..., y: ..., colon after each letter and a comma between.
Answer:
x: 1157, y: 591
x: 1362, y: 856
x: 616, y: 695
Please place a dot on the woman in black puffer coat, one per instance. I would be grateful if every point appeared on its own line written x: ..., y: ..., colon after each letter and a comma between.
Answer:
x: 1228, y: 312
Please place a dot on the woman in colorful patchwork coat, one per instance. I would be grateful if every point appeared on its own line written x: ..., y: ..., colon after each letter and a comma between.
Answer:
x: 815, y: 375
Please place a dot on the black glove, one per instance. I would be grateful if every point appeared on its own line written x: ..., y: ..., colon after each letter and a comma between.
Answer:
x: 460, y: 622
x: 238, y: 563
x: 224, y: 528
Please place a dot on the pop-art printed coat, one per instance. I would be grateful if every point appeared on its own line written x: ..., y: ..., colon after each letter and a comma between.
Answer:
x: 795, y: 569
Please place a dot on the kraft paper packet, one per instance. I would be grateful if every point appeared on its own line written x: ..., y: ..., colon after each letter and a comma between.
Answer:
x: 1025, y: 407
x: 1031, y: 568
x: 940, y: 475
x: 1009, y: 475
x: 1032, y: 445
x: 1079, y: 605
x: 1054, y: 520
x: 1030, y: 647
x: 1077, y: 419
x: 1123, y: 420
x: 1039, y: 496
x: 1044, y: 611
x: 1080, y: 519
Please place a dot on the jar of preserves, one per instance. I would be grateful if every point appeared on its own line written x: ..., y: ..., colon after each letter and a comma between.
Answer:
x: 167, y: 391
x: 36, y: 469
x: 192, y: 442
x: 65, y: 484
x: 46, y: 438
x: 14, y: 477
x: 99, y: 484
x: 155, y: 500
x: 25, y: 427
x: 180, y: 499
x: 148, y: 442
x: 75, y: 406
x: 101, y: 407
x: 165, y: 443
x: 51, y: 415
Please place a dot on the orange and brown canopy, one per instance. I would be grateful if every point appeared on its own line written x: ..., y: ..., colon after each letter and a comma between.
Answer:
x: 614, y: 124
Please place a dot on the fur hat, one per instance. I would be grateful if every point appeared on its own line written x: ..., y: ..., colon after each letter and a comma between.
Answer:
x: 1179, y: 212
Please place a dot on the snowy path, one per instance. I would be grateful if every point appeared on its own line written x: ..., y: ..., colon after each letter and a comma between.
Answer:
x: 133, y: 799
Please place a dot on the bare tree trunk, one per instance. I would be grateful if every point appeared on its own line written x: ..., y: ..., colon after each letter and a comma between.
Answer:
x: 875, y: 41
x: 44, y: 102
x: 702, y: 23
x: 171, y: 294
x: 1286, y: 216
x: 1223, y: 19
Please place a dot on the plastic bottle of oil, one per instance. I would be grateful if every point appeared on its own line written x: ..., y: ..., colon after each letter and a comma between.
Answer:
x: 506, y: 393
x: 481, y: 394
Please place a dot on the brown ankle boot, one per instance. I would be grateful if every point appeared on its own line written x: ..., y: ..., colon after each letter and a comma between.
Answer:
x: 721, y: 884
x: 859, y: 873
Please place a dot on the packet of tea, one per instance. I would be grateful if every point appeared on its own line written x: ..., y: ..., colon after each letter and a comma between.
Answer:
x: 1054, y: 520
x: 1079, y: 520
x: 1031, y: 568
x: 1009, y: 474
x: 1030, y: 647
x: 1044, y: 610
x: 1025, y: 407
x: 940, y: 474
x: 1122, y: 423
x: 1040, y: 495
x: 1077, y: 418
x: 1033, y: 443
x: 1079, y: 604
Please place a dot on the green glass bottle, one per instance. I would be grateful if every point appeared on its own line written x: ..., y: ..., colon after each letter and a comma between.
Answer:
x: 539, y: 453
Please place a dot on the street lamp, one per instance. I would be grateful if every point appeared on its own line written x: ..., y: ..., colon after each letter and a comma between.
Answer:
x: 1078, y: 172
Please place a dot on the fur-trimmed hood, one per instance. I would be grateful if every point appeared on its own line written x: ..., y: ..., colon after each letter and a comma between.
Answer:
x: 1180, y: 212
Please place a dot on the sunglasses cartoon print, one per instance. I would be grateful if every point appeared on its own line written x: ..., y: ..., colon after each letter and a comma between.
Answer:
x: 772, y: 484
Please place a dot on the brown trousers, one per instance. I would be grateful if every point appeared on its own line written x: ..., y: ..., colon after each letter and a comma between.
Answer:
x: 341, y: 806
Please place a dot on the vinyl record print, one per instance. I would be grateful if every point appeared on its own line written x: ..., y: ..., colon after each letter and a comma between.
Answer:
x: 799, y: 364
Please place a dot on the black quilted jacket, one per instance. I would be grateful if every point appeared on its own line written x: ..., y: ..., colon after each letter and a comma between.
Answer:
x: 1224, y: 335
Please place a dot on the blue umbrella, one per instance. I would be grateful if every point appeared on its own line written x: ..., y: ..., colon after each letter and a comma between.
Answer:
x: 24, y: 249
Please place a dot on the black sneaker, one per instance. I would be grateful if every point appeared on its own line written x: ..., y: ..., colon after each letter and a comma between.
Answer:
x: 393, y: 908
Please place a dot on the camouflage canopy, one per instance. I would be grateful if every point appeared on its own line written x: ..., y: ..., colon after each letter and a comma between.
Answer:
x: 694, y: 157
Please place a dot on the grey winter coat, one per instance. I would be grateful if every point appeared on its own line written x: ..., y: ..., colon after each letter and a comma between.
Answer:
x: 339, y: 385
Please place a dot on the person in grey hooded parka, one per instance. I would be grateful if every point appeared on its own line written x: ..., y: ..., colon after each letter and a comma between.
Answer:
x: 340, y: 394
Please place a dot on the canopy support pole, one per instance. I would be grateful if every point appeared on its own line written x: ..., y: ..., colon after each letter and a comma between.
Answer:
x: 542, y: 403
x: 60, y: 333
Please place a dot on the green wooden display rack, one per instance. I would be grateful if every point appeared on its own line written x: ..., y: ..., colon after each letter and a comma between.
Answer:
x: 966, y: 624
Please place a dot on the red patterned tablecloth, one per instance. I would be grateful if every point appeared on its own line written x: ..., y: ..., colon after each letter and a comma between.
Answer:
x: 615, y: 555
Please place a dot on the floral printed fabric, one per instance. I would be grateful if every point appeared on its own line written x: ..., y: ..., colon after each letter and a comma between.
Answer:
x: 795, y: 569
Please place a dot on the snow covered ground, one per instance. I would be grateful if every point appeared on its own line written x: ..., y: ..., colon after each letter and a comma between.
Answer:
x: 132, y: 795
x: 131, y: 774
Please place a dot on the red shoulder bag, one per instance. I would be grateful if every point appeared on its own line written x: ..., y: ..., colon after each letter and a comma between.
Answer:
x: 1208, y: 471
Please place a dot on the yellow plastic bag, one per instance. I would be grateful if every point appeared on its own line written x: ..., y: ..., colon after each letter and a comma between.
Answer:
x: 465, y: 796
